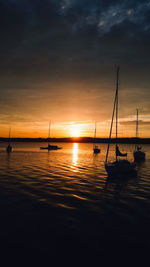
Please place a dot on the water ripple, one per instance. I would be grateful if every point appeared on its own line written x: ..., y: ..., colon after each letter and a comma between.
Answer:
x: 74, y: 179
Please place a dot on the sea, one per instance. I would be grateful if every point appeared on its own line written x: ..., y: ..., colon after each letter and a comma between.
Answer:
x: 63, y: 203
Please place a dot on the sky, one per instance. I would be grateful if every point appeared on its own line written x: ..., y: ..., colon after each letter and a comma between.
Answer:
x: 58, y: 63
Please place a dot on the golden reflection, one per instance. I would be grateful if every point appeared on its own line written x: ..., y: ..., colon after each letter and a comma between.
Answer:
x: 75, y: 154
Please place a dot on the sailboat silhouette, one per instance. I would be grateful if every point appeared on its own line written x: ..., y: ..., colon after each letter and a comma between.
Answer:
x: 9, y: 147
x: 96, y: 150
x: 50, y: 147
x: 138, y: 154
x: 118, y: 168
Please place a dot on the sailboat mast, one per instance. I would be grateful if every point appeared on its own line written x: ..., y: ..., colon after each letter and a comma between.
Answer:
x: 49, y: 132
x: 95, y: 131
x: 94, y: 135
x: 137, y: 130
x: 111, y: 125
x: 137, y: 125
x: 9, y: 134
x: 117, y: 83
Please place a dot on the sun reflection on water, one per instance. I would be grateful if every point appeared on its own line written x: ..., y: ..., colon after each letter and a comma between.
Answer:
x: 75, y: 154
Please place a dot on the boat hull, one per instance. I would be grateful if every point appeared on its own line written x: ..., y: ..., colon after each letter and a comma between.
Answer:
x: 96, y: 150
x: 50, y: 148
x: 9, y: 149
x: 121, y: 169
x: 139, y: 156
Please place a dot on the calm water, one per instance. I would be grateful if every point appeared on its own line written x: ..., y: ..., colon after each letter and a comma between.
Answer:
x: 69, y: 190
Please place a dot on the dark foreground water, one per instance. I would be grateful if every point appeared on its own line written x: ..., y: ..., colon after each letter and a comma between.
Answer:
x: 62, y: 204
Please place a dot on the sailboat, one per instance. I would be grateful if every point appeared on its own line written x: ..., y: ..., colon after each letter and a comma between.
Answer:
x: 138, y: 154
x: 50, y: 147
x: 118, y: 168
x: 96, y: 150
x: 9, y: 147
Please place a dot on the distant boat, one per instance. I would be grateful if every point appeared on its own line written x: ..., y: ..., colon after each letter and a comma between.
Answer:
x: 138, y: 154
x: 50, y: 147
x: 118, y: 168
x: 9, y: 147
x: 96, y: 150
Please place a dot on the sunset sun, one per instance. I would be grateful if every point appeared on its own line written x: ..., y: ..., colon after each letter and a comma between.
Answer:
x: 75, y: 132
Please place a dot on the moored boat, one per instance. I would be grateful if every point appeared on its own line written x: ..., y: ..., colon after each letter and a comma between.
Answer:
x: 138, y: 154
x: 96, y: 149
x: 50, y: 147
x: 118, y: 168
x: 9, y: 147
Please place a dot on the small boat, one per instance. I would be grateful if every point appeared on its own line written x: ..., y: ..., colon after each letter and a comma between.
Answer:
x: 96, y: 149
x: 118, y: 168
x: 50, y: 147
x: 138, y: 154
x: 9, y: 147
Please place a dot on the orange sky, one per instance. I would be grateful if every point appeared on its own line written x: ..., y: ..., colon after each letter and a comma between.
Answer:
x: 71, y: 129
x: 73, y: 108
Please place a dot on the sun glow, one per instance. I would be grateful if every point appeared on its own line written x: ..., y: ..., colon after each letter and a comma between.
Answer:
x: 75, y: 132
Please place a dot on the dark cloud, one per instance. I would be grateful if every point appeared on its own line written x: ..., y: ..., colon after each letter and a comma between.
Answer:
x: 37, y: 35
x: 72, y: 39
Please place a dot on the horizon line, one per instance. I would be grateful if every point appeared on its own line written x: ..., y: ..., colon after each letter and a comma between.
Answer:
x: 74, y: 137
